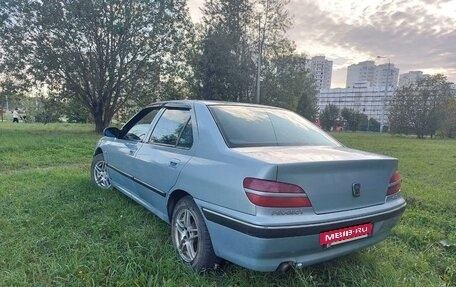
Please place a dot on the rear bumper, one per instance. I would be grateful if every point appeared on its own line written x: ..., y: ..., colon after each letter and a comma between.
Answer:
x: 263, y: 248
x: 298, y: 230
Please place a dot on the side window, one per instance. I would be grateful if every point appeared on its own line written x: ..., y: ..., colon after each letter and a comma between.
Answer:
x: 170, y: 128
x: 139, y: 129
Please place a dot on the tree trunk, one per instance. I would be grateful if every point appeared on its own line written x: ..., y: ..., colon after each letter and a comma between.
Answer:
x: 102, y: 119
x: 99, y: 124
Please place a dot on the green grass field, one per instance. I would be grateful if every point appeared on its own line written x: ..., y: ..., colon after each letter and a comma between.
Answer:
x: 57, y: 229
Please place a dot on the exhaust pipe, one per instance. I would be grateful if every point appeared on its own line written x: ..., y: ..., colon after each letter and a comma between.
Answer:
x: 284, y: 267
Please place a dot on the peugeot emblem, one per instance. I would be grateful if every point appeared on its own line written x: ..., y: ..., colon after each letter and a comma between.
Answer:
x: 356, y: 189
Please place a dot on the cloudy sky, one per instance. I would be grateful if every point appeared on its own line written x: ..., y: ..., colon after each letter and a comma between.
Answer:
x: 414, y: 34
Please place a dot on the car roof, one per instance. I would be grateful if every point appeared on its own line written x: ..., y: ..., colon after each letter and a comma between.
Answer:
x: 190, y: 103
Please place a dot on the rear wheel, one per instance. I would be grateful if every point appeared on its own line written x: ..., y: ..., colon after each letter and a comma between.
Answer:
x: 99, y: 172
x: 190, y: 236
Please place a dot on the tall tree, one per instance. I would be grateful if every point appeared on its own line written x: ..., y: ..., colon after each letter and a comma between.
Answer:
x: 419, y: 108
x: 104, y: 52
x: 329, y: 116
x: 11, y: 94
x: 287, y: 84
x: 273, y: 21
x: 448, y: 123
x: 224, y: 67
x: 353, y: 118
x: 236, y: 35
x: 307, y: 104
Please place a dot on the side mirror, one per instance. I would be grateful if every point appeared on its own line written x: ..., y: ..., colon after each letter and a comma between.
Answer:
x: 111, y: 132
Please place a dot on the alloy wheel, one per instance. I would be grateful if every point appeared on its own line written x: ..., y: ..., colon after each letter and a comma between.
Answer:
x: 101, y: 176
x: 186, y: 234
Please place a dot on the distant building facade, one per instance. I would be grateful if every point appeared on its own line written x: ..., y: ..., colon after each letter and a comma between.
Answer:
x: 375, y: 75
x: 410, y: 78
x: 371, y: 101
x: 321, y: 69
x: 386, y: 74
x: 359, y: 73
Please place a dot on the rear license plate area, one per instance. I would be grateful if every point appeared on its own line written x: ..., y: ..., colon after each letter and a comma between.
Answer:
x: 346, y: 234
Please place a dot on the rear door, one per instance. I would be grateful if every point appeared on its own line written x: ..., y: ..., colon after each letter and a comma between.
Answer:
x: 160, y: 160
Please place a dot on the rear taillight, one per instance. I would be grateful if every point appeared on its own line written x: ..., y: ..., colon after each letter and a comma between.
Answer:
x: 394, y: 184
x: 275, y: 194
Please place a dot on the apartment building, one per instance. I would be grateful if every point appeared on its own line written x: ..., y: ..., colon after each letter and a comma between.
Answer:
x: 410, y: 78
x: 362, y: 97
x: 375, y: 75
x: 321, y: 69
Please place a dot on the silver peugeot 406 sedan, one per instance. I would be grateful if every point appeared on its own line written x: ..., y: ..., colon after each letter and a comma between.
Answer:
x: 258, y: 186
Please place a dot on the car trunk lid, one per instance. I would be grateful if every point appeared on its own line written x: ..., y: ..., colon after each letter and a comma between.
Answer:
x: 334, y: 178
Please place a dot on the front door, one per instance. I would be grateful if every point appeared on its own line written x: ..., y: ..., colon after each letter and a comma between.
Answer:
x: 121, y: 152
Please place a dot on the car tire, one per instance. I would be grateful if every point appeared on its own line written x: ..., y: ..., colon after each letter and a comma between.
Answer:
x: 99, y: 172
x: 191, y: 237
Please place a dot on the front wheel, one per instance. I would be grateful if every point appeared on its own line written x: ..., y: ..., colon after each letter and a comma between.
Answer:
x: 190, y: 236
x: 99, y: 172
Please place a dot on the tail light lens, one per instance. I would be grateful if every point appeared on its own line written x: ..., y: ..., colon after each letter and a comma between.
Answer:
x: 275, y: 194
x: 394, y: 184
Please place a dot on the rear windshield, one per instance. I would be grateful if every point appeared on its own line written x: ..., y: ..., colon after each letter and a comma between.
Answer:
x: 247, y: 126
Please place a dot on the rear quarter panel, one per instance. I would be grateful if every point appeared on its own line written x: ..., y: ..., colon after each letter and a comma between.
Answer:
x: 215, y: 173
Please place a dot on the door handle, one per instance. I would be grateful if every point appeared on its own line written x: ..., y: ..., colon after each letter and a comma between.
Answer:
x: 174, y: 163
x: 132, y: 152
